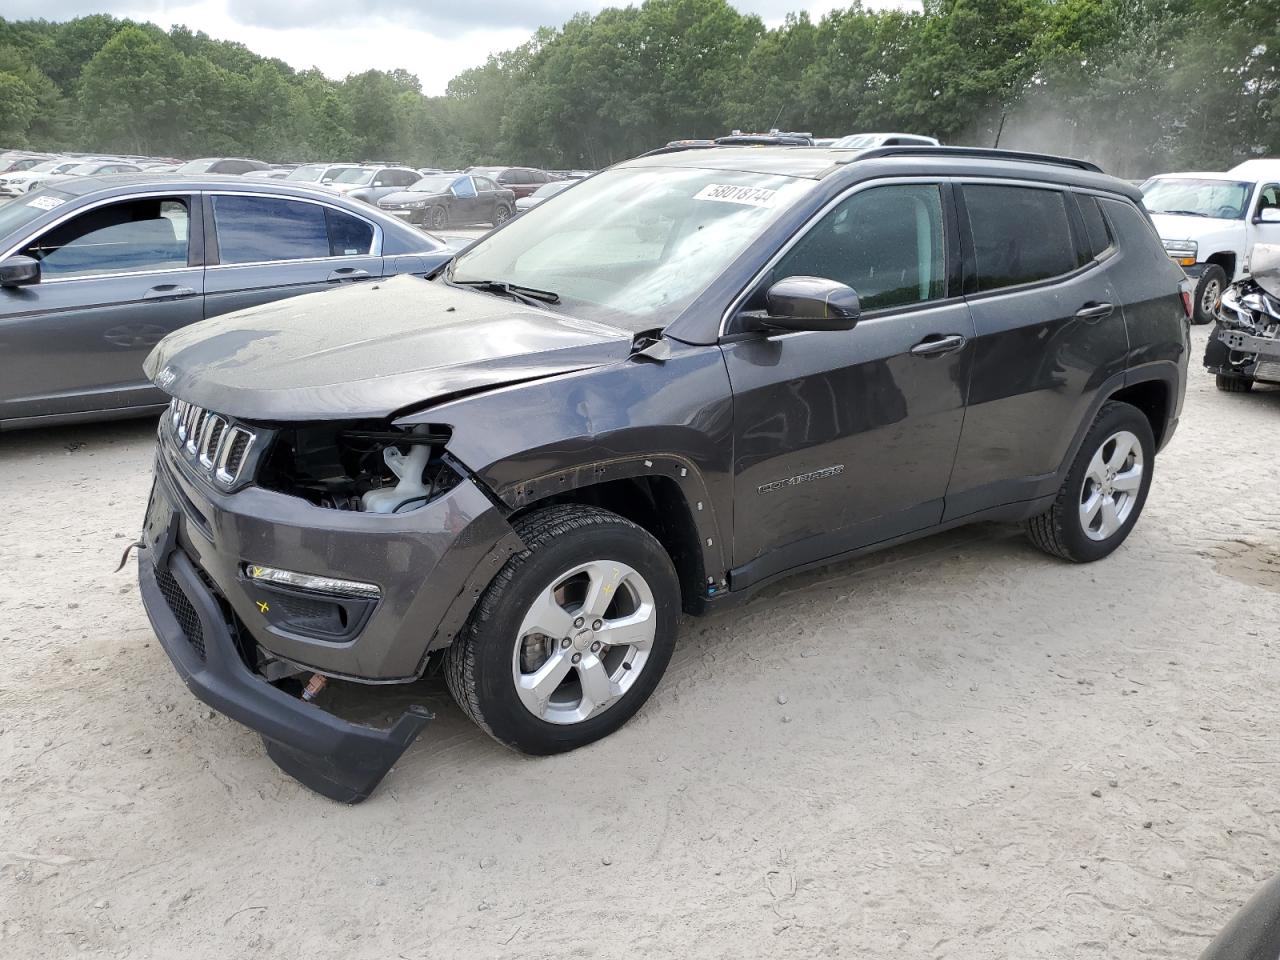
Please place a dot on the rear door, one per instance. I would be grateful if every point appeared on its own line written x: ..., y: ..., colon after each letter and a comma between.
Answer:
x: 115, y: 279
x: 1050, y: 332
x: 264, y: 248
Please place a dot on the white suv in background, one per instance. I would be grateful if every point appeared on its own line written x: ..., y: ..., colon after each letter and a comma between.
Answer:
x: 1210, y: 221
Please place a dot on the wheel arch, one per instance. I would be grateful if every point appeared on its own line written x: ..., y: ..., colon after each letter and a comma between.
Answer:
x: 663, y: 494
x: 1226, y: 259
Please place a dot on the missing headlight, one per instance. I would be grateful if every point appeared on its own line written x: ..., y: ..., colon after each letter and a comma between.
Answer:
x: 370, y: 467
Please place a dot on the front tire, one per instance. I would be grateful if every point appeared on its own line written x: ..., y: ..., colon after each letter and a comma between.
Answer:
x: 1229, y: 384
x: 1208, y: 292
x: 438, y: 218
x: 572, y: 636
x: 1105, y: 489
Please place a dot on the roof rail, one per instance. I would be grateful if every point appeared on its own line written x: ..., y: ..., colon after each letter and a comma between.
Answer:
x: 990, y: 153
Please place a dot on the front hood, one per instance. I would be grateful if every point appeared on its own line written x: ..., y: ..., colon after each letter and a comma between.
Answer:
x: 371, y: 349
x: 402, y: 198
x: 1171, y: 226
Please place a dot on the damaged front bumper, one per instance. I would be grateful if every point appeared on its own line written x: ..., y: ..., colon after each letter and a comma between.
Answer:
x: 224, y: 629
x: 1235, y: 352
x: 338, y: 759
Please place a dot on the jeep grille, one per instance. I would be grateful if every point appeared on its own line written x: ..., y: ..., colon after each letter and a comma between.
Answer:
x: 213, y: 443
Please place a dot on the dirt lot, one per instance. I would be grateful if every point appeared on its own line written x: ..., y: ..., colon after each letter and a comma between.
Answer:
x: 959, y: 748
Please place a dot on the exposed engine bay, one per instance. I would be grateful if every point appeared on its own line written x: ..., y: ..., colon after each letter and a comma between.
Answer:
x: 368, y: 467
x: 1246, y: 341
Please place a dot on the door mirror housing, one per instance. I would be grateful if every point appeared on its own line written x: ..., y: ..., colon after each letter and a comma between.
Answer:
x: 807, y: 303
x: 1268, y: 215
x: 19, y: 271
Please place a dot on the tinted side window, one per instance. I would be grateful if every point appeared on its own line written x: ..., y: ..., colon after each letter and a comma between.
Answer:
x: 1020, y: 234
x: 348, y: 236
x: 404, y: 178
x: 886, y: 243
x: 1268, y: 197
x: 257, y: 229
x: 130, y: 237
x: 1097, y: 233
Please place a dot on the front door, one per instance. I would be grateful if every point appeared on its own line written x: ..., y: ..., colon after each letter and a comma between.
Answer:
x: 114, y: 280
x: 843, y: 439
x: 269, y: 248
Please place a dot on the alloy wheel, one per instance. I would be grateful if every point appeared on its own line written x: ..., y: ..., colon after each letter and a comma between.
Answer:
x: 584, y: 641
x: 1111, y: 484
x: 1209, y: 297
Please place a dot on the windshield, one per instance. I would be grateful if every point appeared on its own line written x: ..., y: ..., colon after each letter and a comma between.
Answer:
x: 46, y: 166
x: 432, y: 185
x: 547, y: 189
x: 491, y: 172
x: 858, y: 140
x: 197, y: 166
x: 309, y: 172
x: 1223, y: 199
x: 85, y: 169
x: 633, y: 246
x: 18, y: 213
x: 354, y: 175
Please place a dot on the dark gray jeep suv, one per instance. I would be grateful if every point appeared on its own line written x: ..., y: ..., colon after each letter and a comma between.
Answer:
x: 524, y: 467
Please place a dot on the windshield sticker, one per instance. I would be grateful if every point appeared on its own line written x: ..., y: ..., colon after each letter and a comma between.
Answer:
x: 727, y: 193
x: 46, y: 203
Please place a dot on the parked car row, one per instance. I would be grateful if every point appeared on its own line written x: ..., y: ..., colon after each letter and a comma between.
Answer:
x: 487, y: 192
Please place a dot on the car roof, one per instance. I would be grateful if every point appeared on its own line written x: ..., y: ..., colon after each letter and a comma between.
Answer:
x: 819, y: 163
x: 1257, y: 168
x: 145, y: 181
x: 1199, y: 175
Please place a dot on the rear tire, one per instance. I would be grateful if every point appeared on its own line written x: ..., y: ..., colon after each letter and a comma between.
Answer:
x: 1208, y: 291
x: 1105, y: 489
x: 1229, y: 384
x: 572, y: 636
x: 501, y: 215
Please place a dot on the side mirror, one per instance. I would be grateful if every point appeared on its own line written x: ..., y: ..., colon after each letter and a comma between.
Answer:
x: 807, y: 303
x: 19, y: 271
x: 1268, y: 215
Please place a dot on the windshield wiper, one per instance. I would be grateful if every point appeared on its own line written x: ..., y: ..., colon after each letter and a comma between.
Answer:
x: 530, y: 295
x: 1183, y: 213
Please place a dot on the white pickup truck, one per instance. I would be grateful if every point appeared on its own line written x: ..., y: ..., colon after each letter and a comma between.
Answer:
x: 1210, y: 221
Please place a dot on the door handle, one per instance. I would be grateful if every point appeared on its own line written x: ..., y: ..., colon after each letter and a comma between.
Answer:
x: 936, y: 344
x: 1093, y: 310
x: 348, y: 273
x: 168, y: 291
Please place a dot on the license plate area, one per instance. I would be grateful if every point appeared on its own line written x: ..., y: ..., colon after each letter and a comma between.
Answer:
x: 158, y: 528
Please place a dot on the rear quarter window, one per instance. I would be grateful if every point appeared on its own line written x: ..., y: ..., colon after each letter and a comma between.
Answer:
x: 1020, y: 234
x: 1137, y: 238
x: 1097, y: 234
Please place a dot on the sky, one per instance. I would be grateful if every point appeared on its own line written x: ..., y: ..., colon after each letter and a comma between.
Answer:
x: 436, y: 39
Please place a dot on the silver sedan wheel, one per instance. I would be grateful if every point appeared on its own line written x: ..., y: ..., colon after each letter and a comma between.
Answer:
x: 584, y: 641
x: 1111, y: 484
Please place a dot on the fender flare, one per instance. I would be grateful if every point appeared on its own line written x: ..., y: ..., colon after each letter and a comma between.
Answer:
x: 712, y: 533
x: 1163, y: 371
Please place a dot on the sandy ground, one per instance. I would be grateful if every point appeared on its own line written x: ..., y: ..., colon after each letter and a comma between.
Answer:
x: 960, y: 748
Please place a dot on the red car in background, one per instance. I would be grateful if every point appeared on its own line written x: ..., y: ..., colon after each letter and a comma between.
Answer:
x: 522, y: 181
